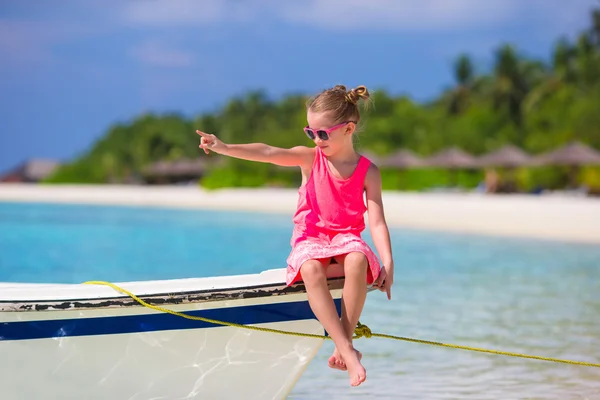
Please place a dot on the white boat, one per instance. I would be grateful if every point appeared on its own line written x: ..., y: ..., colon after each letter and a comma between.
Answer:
x: 81, y: 341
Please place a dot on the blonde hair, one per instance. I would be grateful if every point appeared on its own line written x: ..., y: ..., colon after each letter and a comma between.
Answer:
x: 342, y: 104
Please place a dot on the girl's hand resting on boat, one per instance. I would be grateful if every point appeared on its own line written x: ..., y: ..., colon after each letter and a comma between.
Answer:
x: 384, y: 281
x: 210, y: 142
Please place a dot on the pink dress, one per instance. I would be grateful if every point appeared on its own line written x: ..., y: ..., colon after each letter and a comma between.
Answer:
x: 330, y: 218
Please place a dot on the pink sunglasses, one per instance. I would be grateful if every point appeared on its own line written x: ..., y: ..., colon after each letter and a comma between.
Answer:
x: 323, y: 134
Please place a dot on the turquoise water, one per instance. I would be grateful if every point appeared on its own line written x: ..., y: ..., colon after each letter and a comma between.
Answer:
x: 528, y: 296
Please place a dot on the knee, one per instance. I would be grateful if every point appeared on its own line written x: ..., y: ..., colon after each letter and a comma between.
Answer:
x: 312, y: 270
x: 355, y: 263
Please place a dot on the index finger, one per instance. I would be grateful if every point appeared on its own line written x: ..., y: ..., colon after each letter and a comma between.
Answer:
x: 388, y: 290
x: 203, y: 134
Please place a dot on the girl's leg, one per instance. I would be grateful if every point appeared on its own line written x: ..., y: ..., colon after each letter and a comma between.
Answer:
x: 321, y: 303
x: 353, y: 298
x: 355, y: 290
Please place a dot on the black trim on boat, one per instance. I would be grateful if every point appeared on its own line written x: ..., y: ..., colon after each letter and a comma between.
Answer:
x: 189, y: 297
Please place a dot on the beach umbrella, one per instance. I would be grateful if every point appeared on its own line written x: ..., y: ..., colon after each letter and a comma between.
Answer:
x: 573, y: 155
x: 402, y: 158
x: 508, y: 156
x: 452, y: 158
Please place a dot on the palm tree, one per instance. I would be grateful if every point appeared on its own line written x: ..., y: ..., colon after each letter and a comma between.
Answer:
x: 509, y: 90
x: 464, y: 76
x: 513, y: 79
x: 463, y: 70
x: 587, y: 60
x: 563, y: 72
x: 562, y: 61
x: 595, y: 30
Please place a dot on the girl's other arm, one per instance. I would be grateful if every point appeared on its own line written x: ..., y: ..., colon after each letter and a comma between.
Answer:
x: 379, y: 228
x: 295, y: 156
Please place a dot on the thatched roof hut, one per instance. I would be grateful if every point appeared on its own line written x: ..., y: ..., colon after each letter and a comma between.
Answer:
x: 402, y: 158
x: 572, y: 154
x: 175, y: 171
x: 453, y: 158
x: 179, y: 167
x: 508, y: 156
x: 33, y: 170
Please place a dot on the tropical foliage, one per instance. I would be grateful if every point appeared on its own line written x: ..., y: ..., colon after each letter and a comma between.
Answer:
x: 533, y: 104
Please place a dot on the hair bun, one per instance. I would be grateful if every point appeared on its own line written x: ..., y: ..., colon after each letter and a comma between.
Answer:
x: 359, y: 92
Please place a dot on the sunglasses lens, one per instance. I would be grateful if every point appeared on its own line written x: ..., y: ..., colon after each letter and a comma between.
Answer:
x: 323, y: 135
x: 310, y: 133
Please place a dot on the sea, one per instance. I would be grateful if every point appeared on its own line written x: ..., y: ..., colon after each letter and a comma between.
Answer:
x: 519, y: 295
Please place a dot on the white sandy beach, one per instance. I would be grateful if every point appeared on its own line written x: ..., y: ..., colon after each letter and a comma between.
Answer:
x: 547, y: 217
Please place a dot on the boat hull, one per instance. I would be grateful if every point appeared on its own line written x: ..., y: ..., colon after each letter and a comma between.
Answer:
x: 111, y: 348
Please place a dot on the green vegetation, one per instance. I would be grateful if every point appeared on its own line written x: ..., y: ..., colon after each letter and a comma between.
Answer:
x: 535, y: 105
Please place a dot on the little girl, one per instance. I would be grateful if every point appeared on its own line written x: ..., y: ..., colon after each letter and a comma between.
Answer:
x: 330, y: 216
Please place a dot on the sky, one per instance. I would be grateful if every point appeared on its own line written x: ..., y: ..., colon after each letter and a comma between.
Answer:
x: 70, y: 69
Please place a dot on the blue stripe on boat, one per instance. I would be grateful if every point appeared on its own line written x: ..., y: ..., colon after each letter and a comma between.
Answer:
x: 254, y: 314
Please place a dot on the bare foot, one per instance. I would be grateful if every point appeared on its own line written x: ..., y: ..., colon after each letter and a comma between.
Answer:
x: 337, y: 362
x: 356, y: 371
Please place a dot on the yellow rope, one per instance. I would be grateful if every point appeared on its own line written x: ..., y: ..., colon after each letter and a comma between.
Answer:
x: 360, y: 331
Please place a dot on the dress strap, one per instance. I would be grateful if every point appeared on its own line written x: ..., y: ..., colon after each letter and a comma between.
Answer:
x: 361, y: 169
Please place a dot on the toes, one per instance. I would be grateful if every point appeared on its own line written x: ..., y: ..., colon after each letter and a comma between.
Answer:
x: 358, y: 379
x: 336, y: 363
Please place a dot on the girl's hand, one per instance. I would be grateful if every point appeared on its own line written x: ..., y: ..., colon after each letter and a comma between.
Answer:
x: 210, y: 142
x: 384, y: 281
